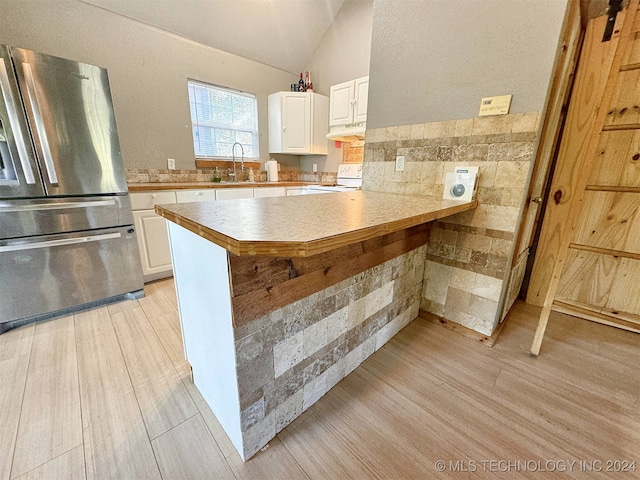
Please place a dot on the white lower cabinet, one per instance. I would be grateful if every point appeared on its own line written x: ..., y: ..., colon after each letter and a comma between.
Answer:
x: 294, y: 191
x: 151, y: 228
x: 233, y: 193
x: 151, y: 232
x: 269, y: 192
x: 184, y: 196
x: 153, y: 242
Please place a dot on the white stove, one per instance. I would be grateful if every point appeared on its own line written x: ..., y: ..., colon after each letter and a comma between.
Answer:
x: 349, y: 178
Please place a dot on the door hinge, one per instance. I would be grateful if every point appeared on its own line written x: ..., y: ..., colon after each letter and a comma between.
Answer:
x: 614, y: 7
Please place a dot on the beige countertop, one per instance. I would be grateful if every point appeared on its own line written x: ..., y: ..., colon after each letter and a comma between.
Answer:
x: 144, y: 187
x: 305, y: 225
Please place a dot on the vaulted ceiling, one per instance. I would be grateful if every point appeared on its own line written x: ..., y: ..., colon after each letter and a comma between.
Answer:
x: 281, y: 33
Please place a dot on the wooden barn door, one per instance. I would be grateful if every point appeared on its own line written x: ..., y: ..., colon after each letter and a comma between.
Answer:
x: 588, y: 260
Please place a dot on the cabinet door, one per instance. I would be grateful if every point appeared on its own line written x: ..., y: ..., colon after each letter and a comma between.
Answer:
x: 268, y: 192
x: 296, y: 123
x: 233, y: 193
x: 153, y: 242
x: 147, y: 200
x: 361, y: 96
x: 184, y: 196
x: 341, y: 104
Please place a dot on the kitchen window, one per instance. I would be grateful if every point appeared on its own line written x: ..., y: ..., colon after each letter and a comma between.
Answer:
x: 221, y: 117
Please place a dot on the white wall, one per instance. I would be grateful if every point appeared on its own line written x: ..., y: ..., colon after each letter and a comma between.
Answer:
x: 343, y: 54
x: 435, y: 60
x: 148, y: 71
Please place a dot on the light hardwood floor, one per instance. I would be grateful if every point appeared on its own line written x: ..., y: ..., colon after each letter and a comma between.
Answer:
x: 106, y: 394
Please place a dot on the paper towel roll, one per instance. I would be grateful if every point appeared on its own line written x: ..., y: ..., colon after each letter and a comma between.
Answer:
x: 272, y: 171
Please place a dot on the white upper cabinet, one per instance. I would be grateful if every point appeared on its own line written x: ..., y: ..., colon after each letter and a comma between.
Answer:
x: 349, y: 102
x: 298, y: 123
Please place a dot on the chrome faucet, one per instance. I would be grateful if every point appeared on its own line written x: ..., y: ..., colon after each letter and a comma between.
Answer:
x: 233, y: 155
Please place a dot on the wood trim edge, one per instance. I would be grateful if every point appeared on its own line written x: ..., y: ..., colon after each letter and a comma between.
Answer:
x: 601, y: 317
x: 315, y: 247
x: 605, y: 251
x: 202, y: 163
x: 331, y: 269
x: 487, y: 340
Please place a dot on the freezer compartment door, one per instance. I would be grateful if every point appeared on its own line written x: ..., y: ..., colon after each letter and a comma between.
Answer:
x: 19, y: 176
x: 73, y: 124
x: 57, y: 272
x: 43, y: 216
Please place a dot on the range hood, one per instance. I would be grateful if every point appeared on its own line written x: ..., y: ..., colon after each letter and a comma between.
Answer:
x: 347, y: 133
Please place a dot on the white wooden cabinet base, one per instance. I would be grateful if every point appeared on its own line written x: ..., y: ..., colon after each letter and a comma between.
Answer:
x: 153, y: 239
x: 151, y: 229
x: 233, y: 193
x: 153, y: 242
x: 204, y: 299
x: 184, y: 196
x: 269, y: 192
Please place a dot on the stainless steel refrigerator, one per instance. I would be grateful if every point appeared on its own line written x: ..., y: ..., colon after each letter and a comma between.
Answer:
x: 67, y: 239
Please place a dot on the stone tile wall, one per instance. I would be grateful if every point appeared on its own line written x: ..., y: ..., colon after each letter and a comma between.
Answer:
x: 159, y: 175
x: 352, y: 152
x: 468, y: 258
x: 293, y: 356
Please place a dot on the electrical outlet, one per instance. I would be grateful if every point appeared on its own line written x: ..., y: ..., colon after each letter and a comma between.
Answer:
x: 171, y: 163
x: 315, y: 168
x: 400, y: 163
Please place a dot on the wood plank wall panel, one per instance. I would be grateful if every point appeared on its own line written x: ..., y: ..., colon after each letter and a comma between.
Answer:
x: 613, y: 105
x: 632, y: 56
x: 602, y: 271
x: 591, y: 79
x: 610, y: 220
x: 618, y: 163
x: 601, y: 281
x: 588, y: 278
x: 612, y: 318
x: 625, y: 105
x: 262, y: 284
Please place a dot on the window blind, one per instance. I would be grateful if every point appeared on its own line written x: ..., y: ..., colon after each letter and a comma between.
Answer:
x: 220, y: 117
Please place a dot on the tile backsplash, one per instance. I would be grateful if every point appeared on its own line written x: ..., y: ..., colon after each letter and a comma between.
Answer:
x: 158, y: 175
x: 468, y: 258
x: 351, y: 153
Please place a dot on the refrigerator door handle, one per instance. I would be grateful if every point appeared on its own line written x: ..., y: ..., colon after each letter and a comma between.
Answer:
x: 37, y: 114
x: 58, y: 243
x: 15, y: 124
x: 8, y: 207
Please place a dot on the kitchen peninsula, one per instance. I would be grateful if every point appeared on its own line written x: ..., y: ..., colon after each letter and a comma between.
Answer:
x: 282, y: 297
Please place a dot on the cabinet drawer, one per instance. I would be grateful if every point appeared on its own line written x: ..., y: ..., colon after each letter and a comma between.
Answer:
x: 147, y: 200
x: 184, y: 196
x: 233, y: 193
x: 268, y: 192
